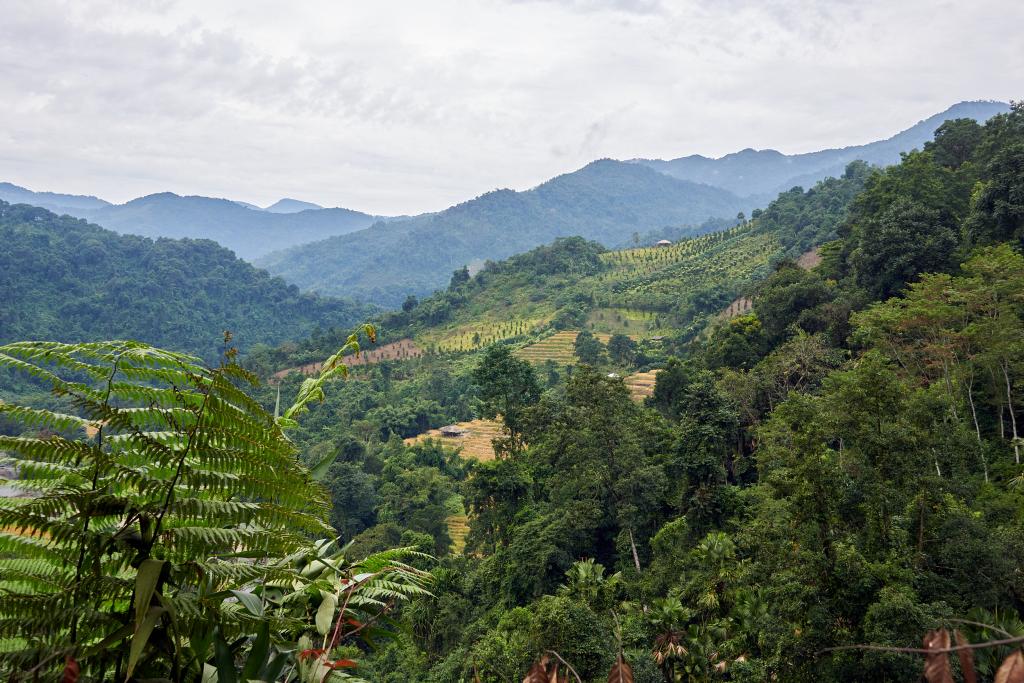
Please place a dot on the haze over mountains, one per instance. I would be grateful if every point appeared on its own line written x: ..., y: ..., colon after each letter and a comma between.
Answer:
x: 343, y: 252
x: 247, y: 230
x: 762, y: 174
x: 606, y: 201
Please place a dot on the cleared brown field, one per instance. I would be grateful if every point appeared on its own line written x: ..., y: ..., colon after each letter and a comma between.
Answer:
x: 403, y: 349
x: 559, y: 347
x: 740, y: 306
x: 458, y: 529
x: 475, y: 444
x: 809, y: 259
x: 641, y: 384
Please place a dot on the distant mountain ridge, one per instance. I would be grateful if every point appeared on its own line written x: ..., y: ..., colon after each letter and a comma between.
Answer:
x: 762, y: 174
x: 51, y: 201
x: 248, y: 231
x: 607, y: 201
x: 288, y: 205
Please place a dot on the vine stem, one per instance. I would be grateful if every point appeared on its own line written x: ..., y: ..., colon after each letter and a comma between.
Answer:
x: 924, y: 651
x: 181, y: 465
x: 567, y: 664
x: 73, y: 631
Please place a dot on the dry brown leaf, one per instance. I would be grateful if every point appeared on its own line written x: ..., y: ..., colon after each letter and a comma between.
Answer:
x: 966, y: 659
x: 621, y: 672
x: 1012, y: 669
x: 538, y: 673
x: 936, y: 664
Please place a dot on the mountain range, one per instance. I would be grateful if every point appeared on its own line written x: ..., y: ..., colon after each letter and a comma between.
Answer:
x: 246, y: 229
x: 605, y: 201
x: 343, y: 252
x: 762, y: 174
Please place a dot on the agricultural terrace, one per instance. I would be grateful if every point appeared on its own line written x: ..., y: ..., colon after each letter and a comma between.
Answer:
x: 403, y: 349
x: 641, y: 384
x: 458, y: 529
x: 633, y: 322
x: 475, y: 444
x: 647, y: 260
x: 477, y: 335
x: 559, y: 347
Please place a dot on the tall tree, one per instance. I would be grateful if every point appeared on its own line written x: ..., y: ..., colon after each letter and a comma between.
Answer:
x: 507, y: 387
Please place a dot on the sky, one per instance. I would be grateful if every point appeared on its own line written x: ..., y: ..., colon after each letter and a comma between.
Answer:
x: 405, y: 107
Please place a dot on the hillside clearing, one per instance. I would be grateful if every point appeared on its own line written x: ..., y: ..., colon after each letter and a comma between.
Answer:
x: 475, y: 444
x: 404, y: 349
x: 641, y: 384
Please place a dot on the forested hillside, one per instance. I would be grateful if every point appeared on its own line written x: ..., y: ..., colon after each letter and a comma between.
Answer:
x: 643, y: 291
x: 64, y: 279
x: 840, y: 466
x: 606, y: 201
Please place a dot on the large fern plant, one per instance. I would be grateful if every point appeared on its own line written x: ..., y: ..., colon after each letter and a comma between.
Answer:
x: 159, y: 492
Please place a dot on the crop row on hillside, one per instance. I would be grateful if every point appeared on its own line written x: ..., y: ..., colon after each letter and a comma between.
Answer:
x: 559, y: 347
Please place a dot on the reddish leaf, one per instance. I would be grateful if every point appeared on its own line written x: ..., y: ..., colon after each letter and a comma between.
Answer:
x: 311, y: 654
x: 621, y: 672
x: 936, y: 664
x: 1012, y: 669
x: 343, y: 664
x: 71, y: 671
x: 966, y: 659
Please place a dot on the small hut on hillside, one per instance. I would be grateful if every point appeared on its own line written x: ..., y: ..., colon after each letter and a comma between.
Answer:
x: 663, y: 243
x: 453, y: 431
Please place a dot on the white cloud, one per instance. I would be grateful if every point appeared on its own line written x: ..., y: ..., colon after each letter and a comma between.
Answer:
x: 397, y: 107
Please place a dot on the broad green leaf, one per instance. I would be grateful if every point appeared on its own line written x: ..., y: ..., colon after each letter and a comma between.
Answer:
x: 325, y: 613
x: 319, y: 470
x: 225, y: 660
x: 145, y: 585
x: 141, y: 637
x: 258, y: 654
x: 251, y: 602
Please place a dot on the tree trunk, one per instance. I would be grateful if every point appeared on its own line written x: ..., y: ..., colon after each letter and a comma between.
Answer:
x: 977, y: 428
x: 632, y: 545
x: 1013, y: 417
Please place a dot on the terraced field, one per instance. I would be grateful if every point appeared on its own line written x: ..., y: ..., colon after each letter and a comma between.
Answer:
x: 458, y: 529
x: 634, y: 322
x: 723, y: 263
x: 641, y: 384
x: 475, y: 444
x: 403, y: 349
x: 559, y: 347
x: 739, y: 306
x: 477, y: 335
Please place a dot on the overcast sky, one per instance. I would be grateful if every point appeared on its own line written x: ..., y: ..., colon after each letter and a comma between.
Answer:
x: 403, y: 107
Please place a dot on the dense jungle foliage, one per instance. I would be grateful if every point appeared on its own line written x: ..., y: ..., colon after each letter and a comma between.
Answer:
x: 839, y: 466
